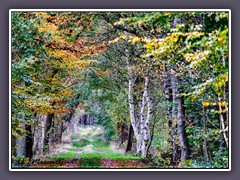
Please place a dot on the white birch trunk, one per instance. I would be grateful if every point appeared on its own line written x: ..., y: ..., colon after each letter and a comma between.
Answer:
x: 147, y: 122
x: 141, y: 123
x: 222, y: 122
x: 133, y: 118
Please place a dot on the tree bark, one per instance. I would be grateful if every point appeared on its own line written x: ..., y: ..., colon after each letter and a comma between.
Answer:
x: 48, y: 124
x: 174, y: 122
x: 180, y: 123
x: 222, y: 122
x: 39, y: 129
x: 141, y: 122
x: 146, y: 130
x: 59, y: 132
x: 181, y: 131
x: 21, y: 143
x: 53, y: 133
x: 120, y: 133
x: 205, y: 133
x: 130, y: 139
x: 171, y: 113
x: 21, y: 146
x: 29, y: 142
x: 133, y: 118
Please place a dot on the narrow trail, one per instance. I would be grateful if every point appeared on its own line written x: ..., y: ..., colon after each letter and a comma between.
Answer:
x: 86, y: 147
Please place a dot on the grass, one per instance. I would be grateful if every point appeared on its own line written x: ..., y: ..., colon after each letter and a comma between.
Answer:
x: 90, y: 148
x: 68, y: 155
x: 87, y: 148
x: 80, y: 143
x: 101, y: 151
x: 99, y: 144
x: 90, y: 163
x: 114, y: 156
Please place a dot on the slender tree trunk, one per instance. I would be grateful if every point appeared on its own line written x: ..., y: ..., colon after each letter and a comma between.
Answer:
x: 130, y: 139
x: 151, y: 138
x: 131, y: 106
x: 53, y: 133
x: 181, y: 131
x: 168, y: 96
x: 222, y: 122
x: 146, y: 130
x: 225, y: 100
x: 170, y: 115
x: 37, y: 132
x: 174, y: 122
x: 29, y: 142
x: 205, y: 133
x: 181, y: 125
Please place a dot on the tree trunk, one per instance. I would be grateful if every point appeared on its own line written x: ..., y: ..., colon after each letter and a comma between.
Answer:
x: 174, y: 122
x: 222, y: 122
x: 151, y: 138
x: 48, y: 124
x: 168, y: 96
x: 53, y: 133
x: 39, y: 129
x: 171, y: 108
x: 141, y: 122
x: 59, y: 132
x: 133, y: 118
x: 130, y: 139
x: 29, y: 142
x: 181, y: 131
x: 21, y: 142
x: 181, y: 125
x: 120, y: 133
x: 205, y: 133
x: 21, y: 146
x: 146, y: 130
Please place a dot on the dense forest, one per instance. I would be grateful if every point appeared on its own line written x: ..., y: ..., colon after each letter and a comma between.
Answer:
x: 120, y: 90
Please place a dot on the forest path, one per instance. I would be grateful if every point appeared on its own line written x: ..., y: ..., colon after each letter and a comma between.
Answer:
x: 87, y: 147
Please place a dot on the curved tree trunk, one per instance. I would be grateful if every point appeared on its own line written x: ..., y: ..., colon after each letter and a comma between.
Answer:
x: 140, y: 119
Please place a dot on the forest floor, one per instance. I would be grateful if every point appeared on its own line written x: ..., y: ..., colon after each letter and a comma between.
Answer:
x: 86, y: 147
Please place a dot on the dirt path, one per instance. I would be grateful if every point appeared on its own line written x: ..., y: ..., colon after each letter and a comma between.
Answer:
x: 86, y: 147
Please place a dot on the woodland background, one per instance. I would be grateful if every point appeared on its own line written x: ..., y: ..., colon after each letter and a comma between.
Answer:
x: 155, y: 83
